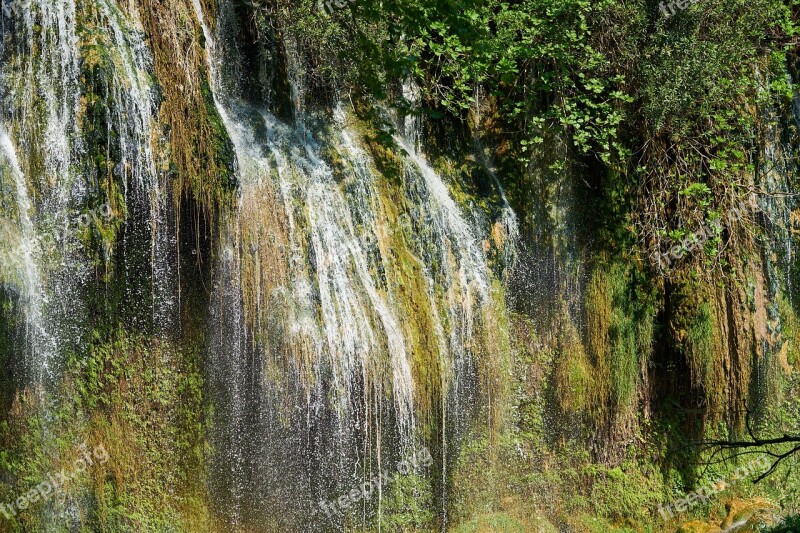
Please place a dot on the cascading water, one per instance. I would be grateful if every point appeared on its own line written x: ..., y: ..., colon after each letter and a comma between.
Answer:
x: 40, y: 91
x: 47, y: 122
x: 324, y: 329
x: 229, y: 347
x: 20, y: 260
x: 345, y: 310
x: 133, y: 107
x: 348, y: 299
x: 261, y: 250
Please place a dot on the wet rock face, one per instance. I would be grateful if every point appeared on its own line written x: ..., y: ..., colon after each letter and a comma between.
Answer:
x: 274, y: 286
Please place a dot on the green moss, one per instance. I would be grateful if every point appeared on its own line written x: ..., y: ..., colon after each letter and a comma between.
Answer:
x: 574, y: 376
x: 505, y: 523
x: 700, y: 341
x: 619, y: 338
x: 222, y: 149
x: 789, y: 332
x: 407, y: 506
x: 141, y: 401
x: 385, y: 153
x: 624, y: 493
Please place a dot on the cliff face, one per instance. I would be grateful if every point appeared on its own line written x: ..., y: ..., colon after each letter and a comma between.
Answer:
x: 274, y: 269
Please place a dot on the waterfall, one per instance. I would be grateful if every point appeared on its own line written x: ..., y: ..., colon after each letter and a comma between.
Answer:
x: 450, y: 236
x: 307, y: 261
x: 356, y: 321
x: 24, y: 259
x: 40, y: 94
x: 133, y: 119
x: 345, y: 309
x: 262, y: 255
x: 47, y: 104
x: 228, y: 349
